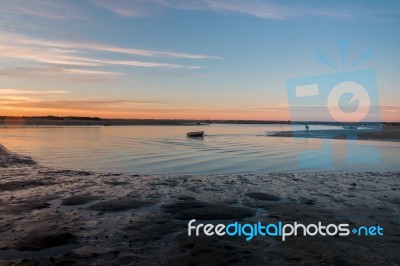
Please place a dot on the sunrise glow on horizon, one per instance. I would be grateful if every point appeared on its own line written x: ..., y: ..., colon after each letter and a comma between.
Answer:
x: 186, y: 59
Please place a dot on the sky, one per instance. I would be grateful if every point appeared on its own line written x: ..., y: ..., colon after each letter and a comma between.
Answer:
x: 171, y: 59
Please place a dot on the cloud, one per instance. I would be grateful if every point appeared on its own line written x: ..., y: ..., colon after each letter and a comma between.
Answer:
x: 127, y: 108
x: 9, y: 97
x: 390, y: 109
x: 140, y: 8
x: 75, y: 61
x: 89, y: 72
x: 51, y: 56
x: 47, y: 9
x: 73, y: 47
x: 60, y: 73
x: 272, y: 10
x: 14, y: 92
x: 42, y: 56
x: 135, y: 8
x: 251, y: 8
x: 265, y: 9
x: 23, y: 103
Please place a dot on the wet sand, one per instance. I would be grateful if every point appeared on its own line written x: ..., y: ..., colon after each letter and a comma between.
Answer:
x: 62, y: 217
x: 386, y: 134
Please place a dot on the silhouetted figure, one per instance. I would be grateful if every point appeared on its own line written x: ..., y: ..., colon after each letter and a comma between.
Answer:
x: 307, y: 128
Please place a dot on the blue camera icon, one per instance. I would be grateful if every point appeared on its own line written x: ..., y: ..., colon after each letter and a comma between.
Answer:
x: 348, y: 100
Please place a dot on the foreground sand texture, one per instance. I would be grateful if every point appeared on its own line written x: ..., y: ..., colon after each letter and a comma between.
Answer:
x: 62, y: 217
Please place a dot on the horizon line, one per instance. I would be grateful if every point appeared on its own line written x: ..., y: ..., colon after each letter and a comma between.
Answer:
x: 189, y: 119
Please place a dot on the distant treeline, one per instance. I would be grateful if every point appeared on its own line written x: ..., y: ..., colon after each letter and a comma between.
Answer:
x: 72, y: 120
x: 51, y: 117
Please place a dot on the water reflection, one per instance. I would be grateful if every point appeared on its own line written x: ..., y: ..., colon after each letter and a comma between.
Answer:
x: 167, y: 150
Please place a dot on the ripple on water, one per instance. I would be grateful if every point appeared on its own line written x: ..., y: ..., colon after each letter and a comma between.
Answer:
x: 166, y: 150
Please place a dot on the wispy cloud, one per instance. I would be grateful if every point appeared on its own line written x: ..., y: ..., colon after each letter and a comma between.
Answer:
x: 60, y: 73
x: 73, y: 47
x: 51, y: 56
x: 253, y: 8
x: 10, y: 98
x: 19, y: 102
x: 47, y: 9
x: 18, y: 92
x: 90, y: 72
x: 53, y: 70
x: 273, y: 10
x: 138, y: 8
x: 265, y: 9
x: 127, y: 108
x: 75, y: 60
x: 42, y: 56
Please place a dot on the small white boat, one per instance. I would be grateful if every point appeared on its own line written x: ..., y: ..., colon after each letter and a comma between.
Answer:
x: 195, y: 134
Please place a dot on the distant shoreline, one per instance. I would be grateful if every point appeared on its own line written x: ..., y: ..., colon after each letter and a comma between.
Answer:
x: 387, y: 133
x: 96, y: 121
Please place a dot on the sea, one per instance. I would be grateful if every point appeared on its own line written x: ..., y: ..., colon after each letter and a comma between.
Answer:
x: 225, y: 149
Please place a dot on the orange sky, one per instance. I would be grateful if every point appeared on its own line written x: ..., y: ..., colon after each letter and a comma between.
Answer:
x: 183, y: 112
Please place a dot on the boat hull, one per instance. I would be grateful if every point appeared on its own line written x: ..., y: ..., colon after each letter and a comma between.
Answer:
x: 196, y: 134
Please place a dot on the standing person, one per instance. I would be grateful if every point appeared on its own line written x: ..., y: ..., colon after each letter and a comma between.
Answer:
x: 307, y: 128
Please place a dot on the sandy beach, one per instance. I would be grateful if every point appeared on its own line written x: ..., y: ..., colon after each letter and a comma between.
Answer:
x: 63, y: 217
x: 387, y: 133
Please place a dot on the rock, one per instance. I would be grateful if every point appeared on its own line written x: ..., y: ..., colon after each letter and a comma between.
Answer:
x: 45, y: 239
x: 262, y: 196
x: 194, y: 209
x: 120, y: 204
x: 153, y: 229
x: 203, y: 250
x: 78, y: 200
x: 8, y: 158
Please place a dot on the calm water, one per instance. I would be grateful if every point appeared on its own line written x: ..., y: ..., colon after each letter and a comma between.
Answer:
x: 166, y: 150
